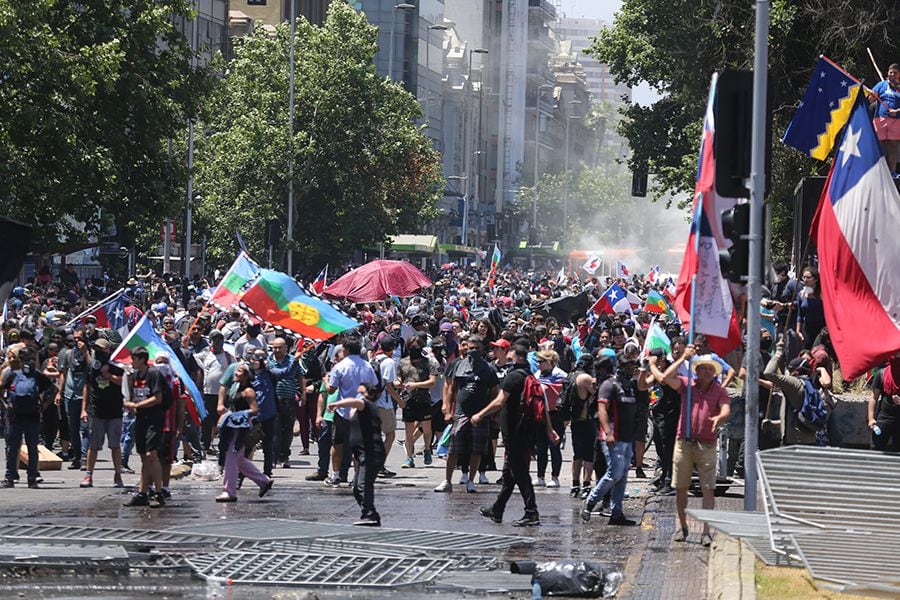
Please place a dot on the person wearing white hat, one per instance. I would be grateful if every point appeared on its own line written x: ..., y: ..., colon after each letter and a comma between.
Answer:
x: 695, y: 445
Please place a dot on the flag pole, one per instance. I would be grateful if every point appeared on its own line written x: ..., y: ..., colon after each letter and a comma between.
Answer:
x: 698, y: 214
x: 92, y: 307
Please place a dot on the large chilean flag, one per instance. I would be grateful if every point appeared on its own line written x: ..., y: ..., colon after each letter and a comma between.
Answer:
x: 713, y: 311
x: 856, y: 231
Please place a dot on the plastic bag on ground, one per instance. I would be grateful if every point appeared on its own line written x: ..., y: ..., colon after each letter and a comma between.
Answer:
x: 576, y: 578
x: 208, y: 470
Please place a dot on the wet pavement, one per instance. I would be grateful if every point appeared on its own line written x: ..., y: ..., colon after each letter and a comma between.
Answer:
x: 406, y: 501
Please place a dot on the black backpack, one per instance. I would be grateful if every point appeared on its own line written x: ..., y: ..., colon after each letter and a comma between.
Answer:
x: 376, y: 366
x: 569, y: 403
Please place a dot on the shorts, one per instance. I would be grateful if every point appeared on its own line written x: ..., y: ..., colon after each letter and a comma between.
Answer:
x: 109, y: 429
x: 167, y: 446
x: 584, y: 433
x: 341, y: 433
x: 466, y: 438
x: 147, y: 436
x: 388, y: 418
x: 641, y: 421
x: 417, y: 411
x: 690, y: 455
x: 887, y: 129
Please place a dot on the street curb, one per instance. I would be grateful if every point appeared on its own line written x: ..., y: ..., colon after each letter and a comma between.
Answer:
x: 731, y: 570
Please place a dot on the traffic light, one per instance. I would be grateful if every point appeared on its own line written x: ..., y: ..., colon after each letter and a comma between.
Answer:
x: 273, y: 233
x: 639, y: 184
x: 736, y: 226
x: 734, y: 131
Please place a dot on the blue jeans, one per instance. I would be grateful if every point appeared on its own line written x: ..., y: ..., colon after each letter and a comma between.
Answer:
x: 15, y: 432
x: 616, y: 477
x: 127, y: 437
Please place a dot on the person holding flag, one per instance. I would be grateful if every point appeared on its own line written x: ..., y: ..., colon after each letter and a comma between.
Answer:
x: 886, y: 106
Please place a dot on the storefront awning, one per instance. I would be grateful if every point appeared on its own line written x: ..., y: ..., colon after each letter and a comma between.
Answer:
x: 423, y: 244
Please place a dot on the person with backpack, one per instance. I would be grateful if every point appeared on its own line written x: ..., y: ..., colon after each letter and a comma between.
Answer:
x: 552, y: 379
x: 803, y: 412
x: 526, y: 413
x: 388, y: 397
x: 22, y: 386
x: 579, y: 406
x: 417, y: 374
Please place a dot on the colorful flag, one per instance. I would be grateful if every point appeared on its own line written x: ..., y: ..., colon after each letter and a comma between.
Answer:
x: 319, y: 284
x: 144, y: 335
x: 110, y: 314
x: 242, y: 272
x: 495, y: 262
x: 657, y: 304
x: 855, y: 229
x: 592, y: 264
x: 823, y: 111
x: 653, y: 274
x: 614, y: 300
x: 656, y: 338
x: 622, y: 272
x: 711, y: 312
x: 280, y: 301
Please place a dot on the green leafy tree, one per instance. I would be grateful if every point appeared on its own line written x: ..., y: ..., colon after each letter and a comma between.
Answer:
x: 362, y: 168
x: 91, y: 93
x: 676, y: 45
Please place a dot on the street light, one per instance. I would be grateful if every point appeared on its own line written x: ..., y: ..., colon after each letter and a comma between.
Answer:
x: 537, y: 150
x: 566, y: 183
x: 469, y: 153
x: 402, y: 6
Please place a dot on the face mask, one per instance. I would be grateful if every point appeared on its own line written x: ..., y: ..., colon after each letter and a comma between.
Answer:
x: 102, y: 357
x: 415, y: 352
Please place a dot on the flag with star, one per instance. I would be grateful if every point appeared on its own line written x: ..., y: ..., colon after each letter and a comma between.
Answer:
x: 855, y: 229
x: 614, y: 300
x: 110, y: 314
x: 824, y: 110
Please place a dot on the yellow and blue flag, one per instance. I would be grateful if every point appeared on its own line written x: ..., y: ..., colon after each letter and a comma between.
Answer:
x: 824, y: 110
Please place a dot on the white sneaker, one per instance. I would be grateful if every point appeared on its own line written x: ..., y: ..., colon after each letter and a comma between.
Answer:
x: 554, y: 483
x: 482, y: 479
x: 470, y: 487
x: 445, y: 486
x: 538, y: 482
x: 464, y: 479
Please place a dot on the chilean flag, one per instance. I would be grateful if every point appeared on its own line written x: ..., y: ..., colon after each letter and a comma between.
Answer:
x: 714, y: 313
x: 319, y: 284
x: 653, y: 274
x: 110, y: 315
x: 614, y: 300
x: 855, y: 229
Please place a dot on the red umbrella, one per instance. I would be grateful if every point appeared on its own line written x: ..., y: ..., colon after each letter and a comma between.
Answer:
x: 377, y: 280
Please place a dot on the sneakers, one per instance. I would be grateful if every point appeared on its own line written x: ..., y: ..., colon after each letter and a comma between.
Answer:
x: 87, y: 482
x: 304, y: 452
x: 621, y: 520
x: 489, y: 513
x: 409, y: 463
x: 156, y: 501
x: 482, y: 479
x: 527, y: 521
x: 464, y: 478
x: 316, y: 477
x: 332, y: 481
x: 127, y: 470
x: 575, y: 492
x: 6, y: 483
x: 553, y: 483
x: 368, y: 521
x: 138, y: 500
x: 117, y: 481
x: 586, y: 509
x: 385, y: 474
x: 33, y: 484
x: 426, y: 458
x: 286, y: 464
x: 639, y: 473
x: 585, y: 492
x: 445, y: 486
x: 75, y: 466
x: 604, y: 509
x: 538, y: 482
x: 264, y: 489
x: 470, y: 487
x: 224, y: 497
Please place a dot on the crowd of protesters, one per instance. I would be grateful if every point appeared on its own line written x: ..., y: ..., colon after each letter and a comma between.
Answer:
x: 457, y: 365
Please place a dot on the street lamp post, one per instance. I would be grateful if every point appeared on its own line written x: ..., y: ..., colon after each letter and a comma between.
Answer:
x: 401, y: 6
x: 468, y: 152
x: 565, y: 231
x: 537, y: 151
x: 290, y: 211
x: 195, y: 31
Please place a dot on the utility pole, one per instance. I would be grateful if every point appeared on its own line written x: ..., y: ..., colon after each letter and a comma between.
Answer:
x: 195, y: 32
x: 290, y: 210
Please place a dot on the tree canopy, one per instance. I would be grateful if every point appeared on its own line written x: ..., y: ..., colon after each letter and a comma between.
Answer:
x: 676, y: 45
x: 91, y: 91
x: 362, y: 168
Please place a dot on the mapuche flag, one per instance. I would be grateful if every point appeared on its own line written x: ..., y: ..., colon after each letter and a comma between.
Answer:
x: 144, y: 335
x: 277, y: 299
x: 242, y: 272
x: 855, y: 229
x: 657, y: 304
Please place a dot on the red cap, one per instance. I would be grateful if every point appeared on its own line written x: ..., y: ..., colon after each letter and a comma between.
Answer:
x: 504, y: 344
